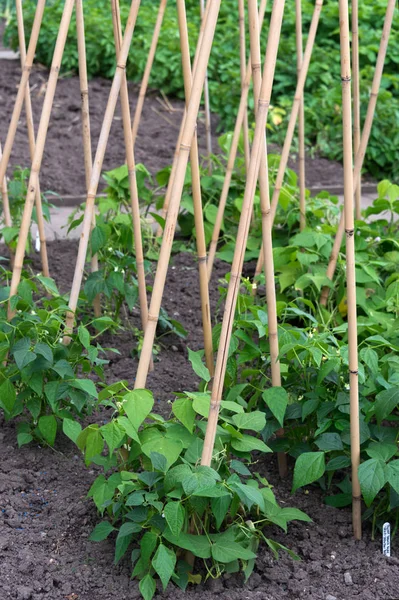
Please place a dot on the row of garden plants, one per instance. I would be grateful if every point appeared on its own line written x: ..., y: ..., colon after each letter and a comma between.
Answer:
x: 160, y: 504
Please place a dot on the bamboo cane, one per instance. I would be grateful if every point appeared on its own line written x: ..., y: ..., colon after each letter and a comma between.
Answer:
x: 301, y: 119
x: 147, y: 70
x: 242, y: 235
x: 243, y: 70
x: 40, y: 143
x: 266, y: 220
x: 176, y: 154
x: 196, y: 190
x: 208, y: 123
x: 6, y: 207
x: 21, y: 89
x: 350, y: 264
x: 188, y: 128
x: 232, y: 156
x: 293, y: 118
x: 32, y: 143
x: 97, y: 166
x: 363, y: 141
x: 87, y: 153
x: 131, y: 165
x: 356, y: 99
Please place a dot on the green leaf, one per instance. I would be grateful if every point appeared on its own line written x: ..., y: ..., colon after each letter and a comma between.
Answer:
x: 372, y: 478
x: 249, y: 443
x: 370, y: 358
x: 84, y: 336
x: 249, y: 495
x: 147, y: 546
x: 201, y: 477
x: 329, y: 442
x: 147, y: 587
x: 113, y: 435
x: 276, y: 399
x: 48, y: 428
x: 124, y: 539
x: 101, y: 531
x: 201, y: 403
x: 393, y: 474
x: 45, y: 351
x: 199, y: 545
x: 7, y: 396
x: 384, y: 451
x: 183, y: 410
x: 385, y: 402
x: 339, y: 462
x: 174, y: 515
x: 71, y: 429
x: 255, y: 420
x: 138, y: 405
x: 225, y: 551
x: 170, y: 449
x: 164, y: 563
x: 86, y: 385
x: 220, y: 506
x: 198, y: 367
x: 98, y: 239
x: 24, y: 438
x: 309, y: 467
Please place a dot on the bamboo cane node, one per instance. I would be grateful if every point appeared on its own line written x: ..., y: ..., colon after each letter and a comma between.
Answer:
x: 90, y: 195
x: 353, y: 372
x: 152, y: 318
x: 84, y: 93
x: 346, y: 78
x: 131, y: 171
x: 373, y: 94
x: 349, y: 232
x: 202, y: 259
x: 256, y: 66
x: 121, y: 66
x: 265, y: 103
x: 185, y: 147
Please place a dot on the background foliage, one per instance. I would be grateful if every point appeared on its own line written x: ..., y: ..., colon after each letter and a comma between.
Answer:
x: 323, y: 83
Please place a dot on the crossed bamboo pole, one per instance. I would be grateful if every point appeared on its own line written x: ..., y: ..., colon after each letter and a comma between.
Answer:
x: 12, y: 129
x: 301, y: 119
x: 175, y: 156
x: 31, y: 136
x: 97, y: 166
x: 41, y: 134
x: 266, y: 220
x: 147, y: 70
x: 293, y: 118
x: 207, y: 105
x: 356, y: 99
x: 363, y: 141
x: 6, y: 205
x: 131, y: 166
x: 86, y: 134
x: 187, y: 132
x: 350, y: 264
x: 243, y: 63
x: 196, y: 191
x: 232, y: 155
x: 243, y: 228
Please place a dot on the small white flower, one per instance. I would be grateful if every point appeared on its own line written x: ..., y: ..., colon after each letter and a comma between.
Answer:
x: 116, y: 269
x: 378, y: 239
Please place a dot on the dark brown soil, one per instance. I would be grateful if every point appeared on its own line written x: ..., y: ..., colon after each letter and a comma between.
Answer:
x: 45, y: 518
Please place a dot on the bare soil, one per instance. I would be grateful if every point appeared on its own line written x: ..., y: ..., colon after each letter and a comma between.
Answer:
x: 45, y: 518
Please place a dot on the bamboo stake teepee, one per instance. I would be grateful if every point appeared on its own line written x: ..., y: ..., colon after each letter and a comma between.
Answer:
x: 293, y: 118
x: 363, y: 141
x: 87, y: 153
x: 188, y: 127
x: 266, y: 220
x: 207, y: 106
x: 131, y: 166
x: 356, y: 99
x: 31, y: 136
x: 97, y: 166
x: 40, y: 140
x: 232, y: 155
x: 242, y: 235
x: 350, y: 265
x: 301, y: 119
x: 147, y: 70
x: 12, y: 129
x: 196, y: 190
x: 243, y: 70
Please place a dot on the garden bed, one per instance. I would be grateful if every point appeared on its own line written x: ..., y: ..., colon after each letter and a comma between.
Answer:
x: 46, y: 519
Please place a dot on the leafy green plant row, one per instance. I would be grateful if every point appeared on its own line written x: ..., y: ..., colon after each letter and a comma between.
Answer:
x: 323, y: 101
